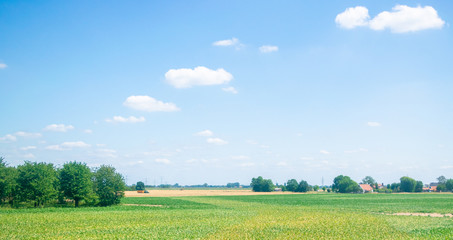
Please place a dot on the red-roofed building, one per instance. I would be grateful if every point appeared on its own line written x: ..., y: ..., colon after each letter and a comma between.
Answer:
x: 366, y: 188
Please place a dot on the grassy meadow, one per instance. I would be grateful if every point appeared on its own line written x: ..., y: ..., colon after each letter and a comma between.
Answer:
x: 297, y: 216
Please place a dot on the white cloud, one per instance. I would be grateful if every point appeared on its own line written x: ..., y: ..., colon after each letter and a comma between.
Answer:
x: 68, y: 146
x: 356, y: 151
x: 199, y: 76
x: 240, y: 157
x: 29, y: 156
x: 230, y: 90
x: 282, y: 164
x: 407, y: 19
x: 216, y: 141
x: 205, y: 133
x: 89, y: 131
x: 162, y: 160
x: 27, y: 148
x: 149, y: 104
x: 374, y: 124
x: 247, y: 164
x: 28, y: 134
x: 78, y: 144
x: 3, y: 66
x: 58, y: 128
x: 8, y: 138
x: 228, y: 42
x: 130, y: 119
x: 324, y: 152
x: 54, y: 147
x: 268, y: 48
x: 401, y: 19
x: 106, y: 153
x: 353, y: 17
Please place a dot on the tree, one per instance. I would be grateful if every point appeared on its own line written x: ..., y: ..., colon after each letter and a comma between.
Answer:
x: 109, y: 185
x: 368, y: 180
x: 262, y: 185
x: 442, y: 180
x: 324, y: 188
x: 292, y: 185
x: 345, y: 184
x: 316, y: 188
x: 303, y: 186
x: 37, y: 182
x: 407, y: 184
x: 75, y: 181
x: 395, y: 187
x: 8, y: 182
x: 449, y: 185
x: 140, y: 186
x: 419, y: 186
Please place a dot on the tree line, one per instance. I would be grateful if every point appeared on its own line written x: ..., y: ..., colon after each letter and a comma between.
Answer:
x: 42, y: 183
x: 344, y: 184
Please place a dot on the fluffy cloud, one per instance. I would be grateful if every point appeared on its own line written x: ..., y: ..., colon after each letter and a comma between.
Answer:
x: 162, y: 160
x: 230, y: 90
x: 27, y: 148
x: 8, y: 138
x: 130, y: 119
x: 205, y: 133
x: 216, y: 141
x: 356, y: 151
x: 374, y: 124
x: 240, y: 157
x: 199, y: 76
x: 149, y: 104
x: 89, y: 131
x: 407, y: 19
x: 247, y: 164
x: 28, y: 134
x: 353, y: 17
x: 401, y: 19
x: 268, y: 48
x: 68, y: 146
x: 58, y: 128
x: 3, y: 66
x: 324, y: 152
x: 227, y: 42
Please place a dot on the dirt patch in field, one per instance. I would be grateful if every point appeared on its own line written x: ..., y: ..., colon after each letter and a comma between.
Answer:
x: 185, y: 193
x: 422, y: 214
x: 144, y: 205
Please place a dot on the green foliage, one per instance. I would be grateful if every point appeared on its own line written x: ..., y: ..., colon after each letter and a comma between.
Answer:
x: 140, y: 186
x: 368, y: 180
x: 303, y: 186
x: 345, y: 184
x: 292, y: 185
x: 109, y: 185
x: 8, y: 182
x: 324, y: 188
x: 407, y: 184
x: 233, y: 185
x: 449, y: 185
x: 37, y: 182
x: 442, y: 180
x: 75, y: 181
x: 315, y: 188
x: 419, y: 186
x: 262, y: 185
x: 395, y: 187
x: 441, y: 188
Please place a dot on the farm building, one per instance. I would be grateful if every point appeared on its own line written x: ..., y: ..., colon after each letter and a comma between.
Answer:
x: 366, y: 188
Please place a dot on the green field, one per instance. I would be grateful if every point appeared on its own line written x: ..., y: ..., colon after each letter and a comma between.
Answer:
x: 304, y: 216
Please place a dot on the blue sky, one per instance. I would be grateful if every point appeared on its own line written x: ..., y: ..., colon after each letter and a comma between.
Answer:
x: 215, y: 92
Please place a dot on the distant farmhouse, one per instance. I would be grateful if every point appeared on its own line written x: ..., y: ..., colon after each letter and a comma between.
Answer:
x: 366, y: 188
